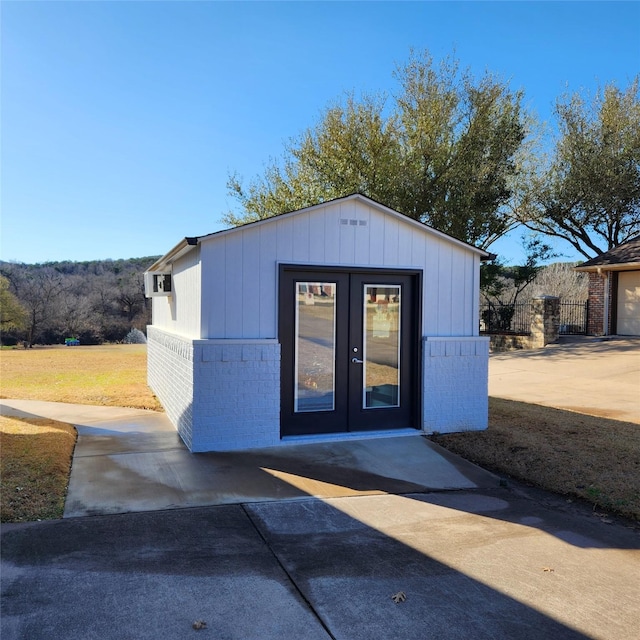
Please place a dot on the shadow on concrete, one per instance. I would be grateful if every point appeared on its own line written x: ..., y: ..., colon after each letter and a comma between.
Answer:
x: 74, y: 575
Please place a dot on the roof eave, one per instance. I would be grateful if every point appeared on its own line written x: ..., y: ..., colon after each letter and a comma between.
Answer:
x: 597, y: 268
x: 184, y: 246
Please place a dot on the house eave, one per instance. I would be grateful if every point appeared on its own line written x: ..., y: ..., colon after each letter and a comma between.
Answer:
x: 598, y: 268
x: 184, y: 246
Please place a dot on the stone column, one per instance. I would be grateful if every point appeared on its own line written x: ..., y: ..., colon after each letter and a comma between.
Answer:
x: 545, y: 320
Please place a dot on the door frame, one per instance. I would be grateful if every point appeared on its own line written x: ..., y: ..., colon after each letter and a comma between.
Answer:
x: 320, y: 423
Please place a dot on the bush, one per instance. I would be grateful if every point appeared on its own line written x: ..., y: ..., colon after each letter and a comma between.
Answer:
x: 135, y: 336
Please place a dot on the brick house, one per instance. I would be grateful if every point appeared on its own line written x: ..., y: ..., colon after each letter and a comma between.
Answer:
x: 614, y: 290
x: 342, y: 320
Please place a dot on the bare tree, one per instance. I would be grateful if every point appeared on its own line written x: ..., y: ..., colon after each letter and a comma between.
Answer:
x: 560, y: 279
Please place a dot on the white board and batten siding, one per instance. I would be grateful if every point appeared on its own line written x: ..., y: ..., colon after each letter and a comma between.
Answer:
x: 180, y: 313
x: 240, y: 267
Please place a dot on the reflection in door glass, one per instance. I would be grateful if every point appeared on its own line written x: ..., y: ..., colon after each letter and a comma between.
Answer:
x: 315, y: 342
x: 381, y: 346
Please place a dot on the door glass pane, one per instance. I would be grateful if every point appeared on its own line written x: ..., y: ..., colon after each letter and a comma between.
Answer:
x: 381, y: 346
x: 315, y: 343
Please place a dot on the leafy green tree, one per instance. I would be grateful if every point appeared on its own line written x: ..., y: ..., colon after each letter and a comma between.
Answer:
x: 354, y: 148
x: 590, y: 194
x: 445, y: 151
x: 13, y: 316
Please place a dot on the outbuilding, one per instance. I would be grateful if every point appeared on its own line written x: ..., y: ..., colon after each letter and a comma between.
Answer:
x: 614, y: 290
x: 341, y: 320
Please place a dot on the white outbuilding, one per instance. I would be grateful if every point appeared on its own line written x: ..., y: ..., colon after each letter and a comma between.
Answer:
x: 341, y: 320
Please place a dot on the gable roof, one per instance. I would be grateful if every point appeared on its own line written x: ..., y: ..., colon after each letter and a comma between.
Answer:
x: 188, y: 243
x: 624, y: 257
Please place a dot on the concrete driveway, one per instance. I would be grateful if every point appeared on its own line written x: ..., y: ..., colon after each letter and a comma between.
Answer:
x: 312, y: 541
x: 596, y: 376
x: 490, y: 564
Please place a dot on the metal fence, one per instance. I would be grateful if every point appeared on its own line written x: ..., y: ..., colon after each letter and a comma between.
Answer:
x: 515, y: 318
x: 506, y: 318
x: 573, y: 317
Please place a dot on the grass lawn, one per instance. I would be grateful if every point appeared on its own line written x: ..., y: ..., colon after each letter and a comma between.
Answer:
x: 568, y: 453
x: 34, y: 468
x: 111, y: 375
x: 573, y: 454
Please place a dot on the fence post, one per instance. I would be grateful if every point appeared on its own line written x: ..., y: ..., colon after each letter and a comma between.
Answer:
x: 545, y: 320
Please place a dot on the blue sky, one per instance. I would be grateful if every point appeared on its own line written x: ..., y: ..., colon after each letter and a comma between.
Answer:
x: 121, y: 121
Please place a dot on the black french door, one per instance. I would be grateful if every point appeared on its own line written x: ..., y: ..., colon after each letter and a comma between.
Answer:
x: 350, y: 349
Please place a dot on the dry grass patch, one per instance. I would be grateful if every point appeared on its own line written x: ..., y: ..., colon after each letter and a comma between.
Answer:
x: 569, y: 453
x: 107, y: 375
x: 34, y: 468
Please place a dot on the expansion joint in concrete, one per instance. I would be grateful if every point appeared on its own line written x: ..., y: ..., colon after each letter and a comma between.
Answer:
x: 289, y: 576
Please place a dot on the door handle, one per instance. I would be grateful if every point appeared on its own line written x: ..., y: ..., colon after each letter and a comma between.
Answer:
x: 357, y: 361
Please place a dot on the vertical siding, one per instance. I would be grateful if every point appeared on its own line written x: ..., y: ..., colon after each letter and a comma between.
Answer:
x: 458, y: 293
x: 214, y: 289
x: 391, y: 236
x: 251, y: 307
x: 240, y: 284
x: 267, y: 281
x: 317, y: 231
x: 180, y: 312
x: 235, y: 285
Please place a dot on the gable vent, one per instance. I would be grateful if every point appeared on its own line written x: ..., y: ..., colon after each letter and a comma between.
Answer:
x: 353, y: 222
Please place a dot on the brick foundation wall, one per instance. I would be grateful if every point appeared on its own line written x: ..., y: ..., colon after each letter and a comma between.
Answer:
x: 238, y: 401
x: 455, y: 384
x: 170, y: 376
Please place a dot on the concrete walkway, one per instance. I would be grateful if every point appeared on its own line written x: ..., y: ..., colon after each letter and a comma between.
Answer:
x: 132, y: 460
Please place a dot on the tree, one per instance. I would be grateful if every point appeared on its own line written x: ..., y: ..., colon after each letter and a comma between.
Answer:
x: 39, y: 291
x: 562, y: 280
x: 444, y: 152
x: 94, y: 301
x: 501, y: 285
x: 590, y: 194
x: 354, y: 148
x: 13, y: 316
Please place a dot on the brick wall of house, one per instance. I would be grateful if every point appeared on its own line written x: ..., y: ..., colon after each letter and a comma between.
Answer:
x: 455, y: 384
x: 237, y: 403
x: 597, y: 285
x: 596, y: 304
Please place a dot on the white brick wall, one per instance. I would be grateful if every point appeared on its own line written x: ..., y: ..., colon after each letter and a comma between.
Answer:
x: 238, y: 400
x: 455, y: 382
x: 170, y: 376
x: 237, y: 404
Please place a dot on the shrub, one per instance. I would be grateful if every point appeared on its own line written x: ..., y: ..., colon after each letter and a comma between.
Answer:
x: 135, y: 336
